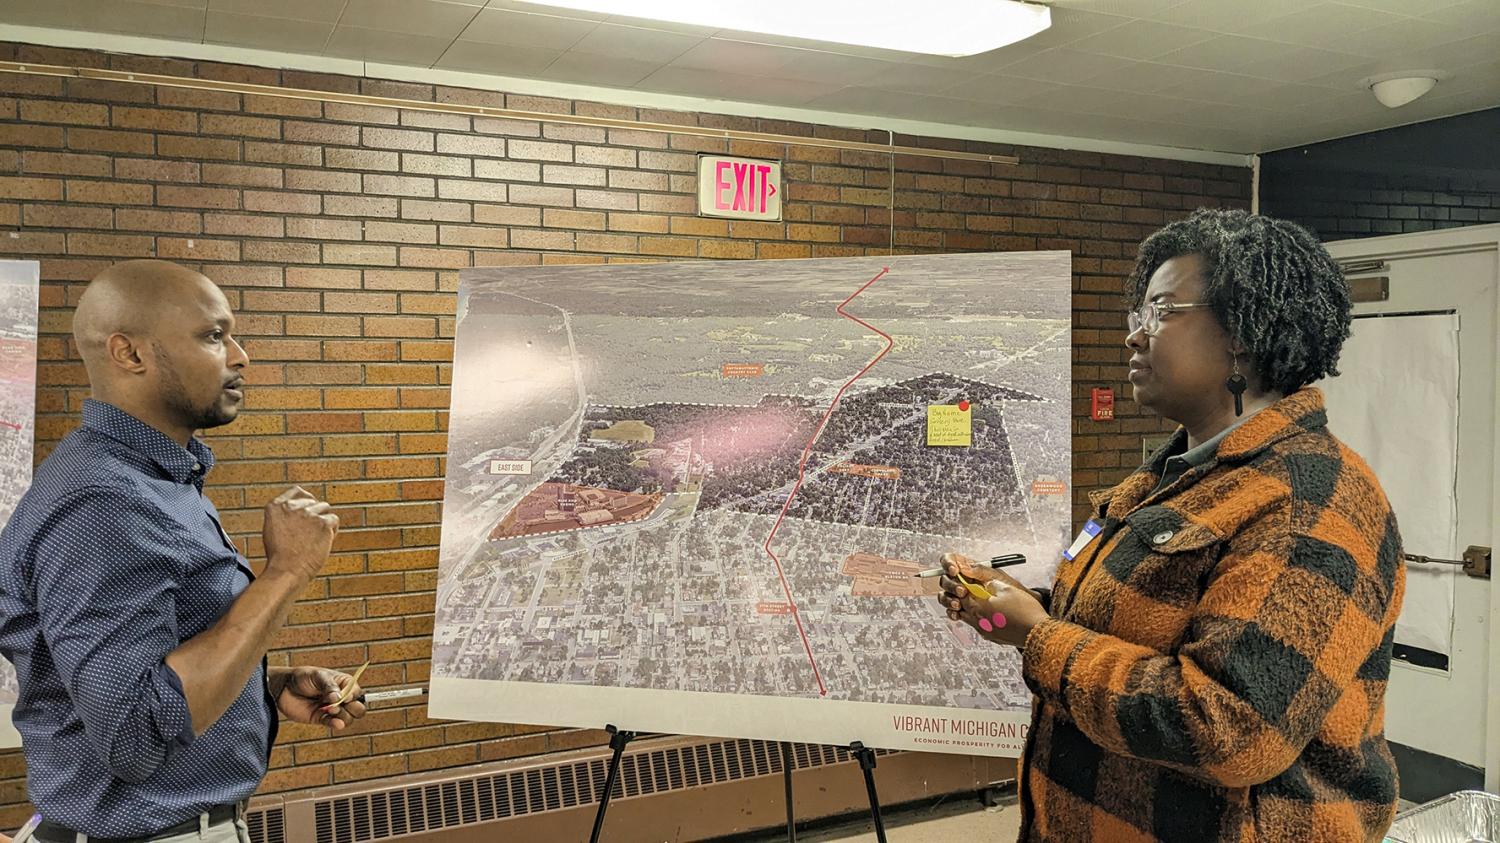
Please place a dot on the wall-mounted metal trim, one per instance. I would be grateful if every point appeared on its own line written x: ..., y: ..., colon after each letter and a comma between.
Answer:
x: 489, y: 111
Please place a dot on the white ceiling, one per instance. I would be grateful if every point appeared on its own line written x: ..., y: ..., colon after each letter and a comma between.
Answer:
x: 1223, y: 75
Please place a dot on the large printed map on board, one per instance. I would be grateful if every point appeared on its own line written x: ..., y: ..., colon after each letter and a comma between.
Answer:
x: 691, y: 497
x: 18, y: 304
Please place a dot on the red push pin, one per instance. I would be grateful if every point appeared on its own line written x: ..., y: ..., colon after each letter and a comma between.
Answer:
x: 964, y: 406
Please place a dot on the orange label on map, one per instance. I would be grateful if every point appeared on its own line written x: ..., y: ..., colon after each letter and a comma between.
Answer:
x: 1048, y: 487
x: 743, y: 370
x: 773, y: 609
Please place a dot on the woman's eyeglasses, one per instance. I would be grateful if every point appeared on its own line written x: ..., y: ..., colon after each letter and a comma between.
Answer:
x: 1148, y: 316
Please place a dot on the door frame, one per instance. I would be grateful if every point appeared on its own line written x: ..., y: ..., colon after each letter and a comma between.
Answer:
x: 1434, y: 243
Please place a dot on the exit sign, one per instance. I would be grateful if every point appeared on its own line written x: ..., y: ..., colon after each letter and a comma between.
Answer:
x: 740, y: 188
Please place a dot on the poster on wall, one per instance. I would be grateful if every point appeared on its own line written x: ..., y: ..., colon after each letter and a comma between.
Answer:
x: 18, y: 307
x: 693, y: 497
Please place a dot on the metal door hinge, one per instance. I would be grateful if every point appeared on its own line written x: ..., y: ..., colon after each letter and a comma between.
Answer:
x: 1476, y: 561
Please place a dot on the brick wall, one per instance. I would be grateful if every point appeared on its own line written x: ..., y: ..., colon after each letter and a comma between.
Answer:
x: 1438, y: 174
x: 338, y: 230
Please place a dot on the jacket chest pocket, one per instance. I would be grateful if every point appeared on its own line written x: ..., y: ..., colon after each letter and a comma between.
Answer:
x: 1146, y: 587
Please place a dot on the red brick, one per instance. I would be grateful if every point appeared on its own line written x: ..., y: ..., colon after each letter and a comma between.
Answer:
x: 30, y: 188
x: 399, y: 186
x: 363, y: 159
x: 73, y: 113
x: 349, y: 253
x: 176, y: 146
x: 195, y: 249
x: 324, y: 229
x: 64, y: 163
x: 242, y: 175
x: 154, y: 119
x: 241, y: 127
x: 94, y: 140
x: 198, y: 197
x: 286, y: 203
x: 283, y: 153
x: 64, y: 216
x: 112, y: 245
x: 141, y: 169
x: 243, y: 225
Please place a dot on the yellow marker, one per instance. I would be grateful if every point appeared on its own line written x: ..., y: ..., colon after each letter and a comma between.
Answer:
x: 348, y: 693
x: 950, y: 425
x: 978, y: 591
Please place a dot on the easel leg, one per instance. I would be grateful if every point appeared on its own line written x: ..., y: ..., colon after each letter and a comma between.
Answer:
x: 866, y: 758
x: 617, y: 742
x: 791, y: 812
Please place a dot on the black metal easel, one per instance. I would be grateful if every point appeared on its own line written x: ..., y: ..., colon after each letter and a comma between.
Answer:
x: 866, y: 758
x: 617, y: 741
x: 786, y: 774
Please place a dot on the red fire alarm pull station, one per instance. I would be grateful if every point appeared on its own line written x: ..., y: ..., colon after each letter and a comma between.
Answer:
x: 1104, y: 404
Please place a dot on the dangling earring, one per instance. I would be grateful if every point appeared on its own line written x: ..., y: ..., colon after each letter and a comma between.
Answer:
x: 1237, y: 385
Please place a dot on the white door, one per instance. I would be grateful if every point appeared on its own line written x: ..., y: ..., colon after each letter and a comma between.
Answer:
x: 1436, y: 278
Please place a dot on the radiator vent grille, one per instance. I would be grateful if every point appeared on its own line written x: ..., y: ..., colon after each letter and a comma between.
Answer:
x: 384, y: 815
x: 268, y: 826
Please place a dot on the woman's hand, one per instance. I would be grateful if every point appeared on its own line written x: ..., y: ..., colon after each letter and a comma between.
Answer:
x: 1005, y: 617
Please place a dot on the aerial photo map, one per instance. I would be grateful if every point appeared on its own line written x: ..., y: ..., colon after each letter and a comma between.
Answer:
x: 18, y: 303
x: 692, y: 497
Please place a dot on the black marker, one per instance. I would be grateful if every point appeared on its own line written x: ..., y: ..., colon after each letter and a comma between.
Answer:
x: 1004, y: 561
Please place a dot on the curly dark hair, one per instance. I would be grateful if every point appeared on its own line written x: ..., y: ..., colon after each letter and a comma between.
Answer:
x: 1272, y: 285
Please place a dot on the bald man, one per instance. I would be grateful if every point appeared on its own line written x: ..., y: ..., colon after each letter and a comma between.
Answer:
x: 138, y: 632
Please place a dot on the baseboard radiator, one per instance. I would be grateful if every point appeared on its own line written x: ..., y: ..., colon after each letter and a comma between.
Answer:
x: 670, y: 788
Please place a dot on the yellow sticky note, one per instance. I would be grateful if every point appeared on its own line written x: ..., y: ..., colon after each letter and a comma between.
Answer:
x: 948, y: 424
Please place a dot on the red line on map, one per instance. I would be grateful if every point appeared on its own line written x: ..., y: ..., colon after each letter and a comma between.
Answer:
x: 9, y: 425
x: 802, y: 472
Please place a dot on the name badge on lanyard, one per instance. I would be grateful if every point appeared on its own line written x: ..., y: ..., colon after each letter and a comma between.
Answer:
x: 1086, y: 535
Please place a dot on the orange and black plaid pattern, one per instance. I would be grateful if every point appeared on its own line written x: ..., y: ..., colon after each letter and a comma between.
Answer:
x: 1216, y: 662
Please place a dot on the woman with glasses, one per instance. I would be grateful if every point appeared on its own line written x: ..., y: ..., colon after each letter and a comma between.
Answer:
x: 1211, y: 661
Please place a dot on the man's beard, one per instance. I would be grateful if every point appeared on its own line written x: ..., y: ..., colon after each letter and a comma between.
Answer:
x: 175, y: 396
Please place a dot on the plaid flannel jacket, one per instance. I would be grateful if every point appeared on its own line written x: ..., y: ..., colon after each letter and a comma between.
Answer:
x: 1215, y: 664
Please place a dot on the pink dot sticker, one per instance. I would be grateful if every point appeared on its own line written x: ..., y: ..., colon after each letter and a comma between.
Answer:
x: 985, y: 625
x: 998, y: 621
x: 964, y: 406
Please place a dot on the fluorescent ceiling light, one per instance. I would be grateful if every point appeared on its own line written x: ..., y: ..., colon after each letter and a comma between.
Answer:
x: 939, y: 27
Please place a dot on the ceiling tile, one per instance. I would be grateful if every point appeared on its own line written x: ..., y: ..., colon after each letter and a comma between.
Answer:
x: 1002, y: 90
x: 322, y: 11
x: 1229, y: 53
x: 1147, y: 77
x: 544, y: 9
x: 296, y: 36
x: 1218, y: 16
x: 56, y: 13
x: 1142, y: 40
x: 493, y: 58
x: 721, y: 56
x: 1401, y: 37
x: 430, y: 18
x: 720, y: 85
x: 1475, y: 15
x: 1298, y: 64
x: 1125, y: 8
x: 606, y: 71
x: 1065, y: 65
x: 1319, y: 25
x: 378, y: 45
x: 634, y: 42
x: 1209, y: 86
x: 833, y: 68
x: 1403, y: 7
x: 918, y: 79
x: 132, y: 18
x: 523, y: 29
